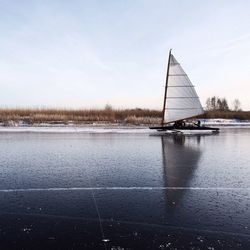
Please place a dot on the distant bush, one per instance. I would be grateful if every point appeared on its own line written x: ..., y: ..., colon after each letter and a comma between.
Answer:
x: 240, y: 115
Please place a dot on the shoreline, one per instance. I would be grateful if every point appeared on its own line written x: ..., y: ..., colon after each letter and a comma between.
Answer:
x: 204, y: 122
x: 108, y: 127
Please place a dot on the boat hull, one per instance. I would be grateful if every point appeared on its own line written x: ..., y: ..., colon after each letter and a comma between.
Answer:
x: 185, y: 129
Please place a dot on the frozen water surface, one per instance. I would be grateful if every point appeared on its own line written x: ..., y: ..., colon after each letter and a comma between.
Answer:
x: 124, y: 190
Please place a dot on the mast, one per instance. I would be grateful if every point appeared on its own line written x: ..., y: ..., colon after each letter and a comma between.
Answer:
x: 166, y: 87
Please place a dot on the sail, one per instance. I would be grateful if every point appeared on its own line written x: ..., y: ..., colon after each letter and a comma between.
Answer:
x: 182, y: 102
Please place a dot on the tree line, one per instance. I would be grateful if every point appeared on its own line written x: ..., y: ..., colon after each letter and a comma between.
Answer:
x: 221, y: 104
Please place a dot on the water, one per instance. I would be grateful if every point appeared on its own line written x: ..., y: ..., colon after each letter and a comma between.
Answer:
x: 124, y: 191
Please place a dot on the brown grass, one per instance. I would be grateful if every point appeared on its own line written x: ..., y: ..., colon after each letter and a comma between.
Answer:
x: 108, y: 115
x: 87, y: 116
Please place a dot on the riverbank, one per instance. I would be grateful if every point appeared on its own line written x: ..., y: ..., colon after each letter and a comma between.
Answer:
x: 20, y: 117
x: 107, y: 117
x: 109, y: 127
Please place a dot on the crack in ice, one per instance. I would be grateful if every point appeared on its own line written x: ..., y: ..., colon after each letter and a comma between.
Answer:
x: 123, y: 188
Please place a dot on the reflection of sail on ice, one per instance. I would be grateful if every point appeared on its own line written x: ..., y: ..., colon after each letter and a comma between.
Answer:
x: 180, y: 159
x: 181, y: 100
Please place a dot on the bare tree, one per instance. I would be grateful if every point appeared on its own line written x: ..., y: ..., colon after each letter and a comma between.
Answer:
x: 208, y: 104
x: 217, y: 103
x: 213, y: 102
x: 224, y: 105
x: 236, y: 105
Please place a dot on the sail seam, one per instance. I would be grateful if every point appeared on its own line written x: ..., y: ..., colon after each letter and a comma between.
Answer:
x: 178, y: 75
x: 186, y: 86
x: 181, y: 108
x: 182, y: 97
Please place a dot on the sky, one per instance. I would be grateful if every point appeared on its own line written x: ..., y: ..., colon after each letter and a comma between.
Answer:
x: 86, y: 54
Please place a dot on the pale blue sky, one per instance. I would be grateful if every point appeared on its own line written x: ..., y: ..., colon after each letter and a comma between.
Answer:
x: 77, y: 53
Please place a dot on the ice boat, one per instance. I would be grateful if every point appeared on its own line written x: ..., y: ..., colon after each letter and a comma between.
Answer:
x: 181, y: 103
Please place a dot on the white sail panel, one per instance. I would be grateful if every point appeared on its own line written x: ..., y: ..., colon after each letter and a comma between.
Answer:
x: 182, y: 102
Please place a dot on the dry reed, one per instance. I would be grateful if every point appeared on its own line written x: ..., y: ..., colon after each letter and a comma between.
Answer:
x: 108, y: 115
x: 86, y: 116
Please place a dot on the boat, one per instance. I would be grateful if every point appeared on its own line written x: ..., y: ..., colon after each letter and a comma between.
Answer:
x: 181, y: 103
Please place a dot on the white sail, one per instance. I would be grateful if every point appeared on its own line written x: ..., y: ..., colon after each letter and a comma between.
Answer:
x: 182, y: 102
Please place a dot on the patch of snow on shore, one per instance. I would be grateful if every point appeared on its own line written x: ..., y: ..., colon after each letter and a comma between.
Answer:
x: 224, y: 122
